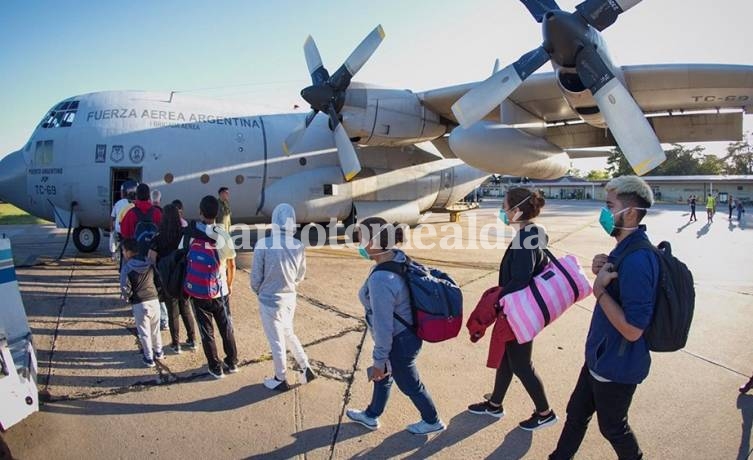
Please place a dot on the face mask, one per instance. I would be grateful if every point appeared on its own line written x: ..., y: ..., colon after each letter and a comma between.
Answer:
x: 606, y: 219
x: 503, y: 215
x: 362, y: 250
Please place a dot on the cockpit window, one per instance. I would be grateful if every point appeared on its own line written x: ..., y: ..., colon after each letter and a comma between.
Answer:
x: 61, y: 116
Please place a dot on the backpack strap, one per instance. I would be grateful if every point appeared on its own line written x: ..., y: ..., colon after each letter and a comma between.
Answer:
x: 640, y: 244
x: 400, y: 269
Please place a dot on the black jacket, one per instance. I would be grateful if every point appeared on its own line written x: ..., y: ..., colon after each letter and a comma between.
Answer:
x: 520, y: 264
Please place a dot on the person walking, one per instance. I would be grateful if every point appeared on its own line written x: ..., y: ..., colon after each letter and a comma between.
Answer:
x: 692, y: 208
x: 137, y: 287
x: 206, y: 283
x: 279, y: 266
x: 617, y: 357
x: 731, y: 206
x: 384, y: 295
x: 710, y: 208
x: 164, y: 243
x: 523, y: 259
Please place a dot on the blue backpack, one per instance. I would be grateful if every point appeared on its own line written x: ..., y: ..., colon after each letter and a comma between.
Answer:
x: 436, y: 300
x: 146, y: 230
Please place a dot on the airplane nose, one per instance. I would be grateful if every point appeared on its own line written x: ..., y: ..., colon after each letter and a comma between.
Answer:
x: 13, y: 179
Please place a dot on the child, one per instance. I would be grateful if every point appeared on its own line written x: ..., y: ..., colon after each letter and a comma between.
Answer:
x: 137, y: 286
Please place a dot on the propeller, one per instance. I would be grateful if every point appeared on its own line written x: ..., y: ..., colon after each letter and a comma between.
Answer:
x: 327, y: 94
x: 571, y: 40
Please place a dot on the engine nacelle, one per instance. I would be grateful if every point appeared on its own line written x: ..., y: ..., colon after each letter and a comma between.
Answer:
x: 579, y: 98
x: 504, y: 150
x: 388, y: 117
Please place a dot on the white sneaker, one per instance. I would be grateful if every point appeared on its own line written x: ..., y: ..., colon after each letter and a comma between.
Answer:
x: 360, y: 416
x: 273, y: 384
x: 426, y: 428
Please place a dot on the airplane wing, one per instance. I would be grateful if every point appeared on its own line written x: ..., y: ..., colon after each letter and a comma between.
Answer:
x: 658, y: 89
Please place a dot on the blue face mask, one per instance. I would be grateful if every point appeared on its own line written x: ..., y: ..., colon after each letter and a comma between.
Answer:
x: 503, y: 217
x: 606, y: 219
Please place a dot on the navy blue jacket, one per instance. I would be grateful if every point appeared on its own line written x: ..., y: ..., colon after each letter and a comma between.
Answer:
x: 608, y: 353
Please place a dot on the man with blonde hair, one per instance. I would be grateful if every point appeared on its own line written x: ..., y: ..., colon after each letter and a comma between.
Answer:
x: 617, y: 355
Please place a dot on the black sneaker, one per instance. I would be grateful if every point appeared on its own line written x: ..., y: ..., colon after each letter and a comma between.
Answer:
x: 231, y: 368
x: 487, y: 408
x: 538, y: 421
x: 307, y: 375
x: 191, y: 345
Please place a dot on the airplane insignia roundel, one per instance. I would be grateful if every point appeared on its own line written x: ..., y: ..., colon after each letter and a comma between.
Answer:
x: 137, y: 154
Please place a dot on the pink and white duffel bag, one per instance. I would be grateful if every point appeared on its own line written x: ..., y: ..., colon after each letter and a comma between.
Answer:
x: 561, y: 283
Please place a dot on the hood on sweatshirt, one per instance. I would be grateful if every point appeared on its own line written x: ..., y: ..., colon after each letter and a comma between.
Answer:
x: 283, y: 219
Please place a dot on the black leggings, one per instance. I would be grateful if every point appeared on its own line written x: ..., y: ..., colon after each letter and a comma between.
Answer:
x: 517, y: 360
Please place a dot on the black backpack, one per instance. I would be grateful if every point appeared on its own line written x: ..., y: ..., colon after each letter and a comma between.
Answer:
x: 171, y: 269
x: 675, y: 299
x: 145, y: 230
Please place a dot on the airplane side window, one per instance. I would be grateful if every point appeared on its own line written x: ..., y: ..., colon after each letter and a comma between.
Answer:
x: 68, y: 119
x: 74, y: 105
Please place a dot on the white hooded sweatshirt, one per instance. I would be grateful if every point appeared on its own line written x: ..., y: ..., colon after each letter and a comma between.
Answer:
x: 279, y: 261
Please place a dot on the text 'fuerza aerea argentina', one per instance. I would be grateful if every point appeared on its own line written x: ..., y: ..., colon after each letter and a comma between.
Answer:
x: 109, y: 114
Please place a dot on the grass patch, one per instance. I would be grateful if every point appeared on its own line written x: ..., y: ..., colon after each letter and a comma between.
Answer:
x: 11, y: 215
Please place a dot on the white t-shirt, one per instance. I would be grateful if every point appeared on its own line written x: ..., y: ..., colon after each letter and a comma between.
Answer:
x: 116, y: 211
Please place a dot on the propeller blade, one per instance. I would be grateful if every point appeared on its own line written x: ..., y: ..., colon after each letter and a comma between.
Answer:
x: 622, y: 114
x: 290, y: 142
x: 479, y: 101
x: 341, y: 78
x: 538, y: 8
x: 314, y: 62
x: 349, y: 163
x: 603, y: 13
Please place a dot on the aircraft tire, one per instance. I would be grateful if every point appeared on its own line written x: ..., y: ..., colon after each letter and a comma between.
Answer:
x: 86, y: 239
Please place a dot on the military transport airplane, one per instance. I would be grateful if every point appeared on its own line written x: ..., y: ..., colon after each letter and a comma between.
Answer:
x: 412, y: 155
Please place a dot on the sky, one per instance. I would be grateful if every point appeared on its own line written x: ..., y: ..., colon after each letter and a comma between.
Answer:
x: 252, y: 50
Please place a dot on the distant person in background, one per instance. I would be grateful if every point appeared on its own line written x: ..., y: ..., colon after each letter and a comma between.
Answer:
x: 731, y: 206
x: 710, y: 208
x: 692, y: 201
x: 223, y: 217
x: 179, y: 204
x: 740, y: 209
x: 156, y: 198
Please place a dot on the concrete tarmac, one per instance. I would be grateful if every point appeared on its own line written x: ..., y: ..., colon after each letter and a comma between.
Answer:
x: 101, y: 402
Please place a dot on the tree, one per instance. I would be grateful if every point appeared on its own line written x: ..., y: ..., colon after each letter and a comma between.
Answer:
x: 575, y: 172
x: 712, y: 165
x: 618, y: 164
x: 681, y: 161
x: 740, y: 158
x: 598, y: 174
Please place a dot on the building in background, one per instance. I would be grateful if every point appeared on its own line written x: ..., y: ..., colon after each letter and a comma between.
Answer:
x: 672, y: 189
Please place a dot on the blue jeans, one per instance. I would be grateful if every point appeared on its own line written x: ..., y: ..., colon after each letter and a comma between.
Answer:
x: 405, y: 348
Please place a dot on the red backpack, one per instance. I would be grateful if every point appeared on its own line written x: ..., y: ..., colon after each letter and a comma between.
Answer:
x: 202, y: 270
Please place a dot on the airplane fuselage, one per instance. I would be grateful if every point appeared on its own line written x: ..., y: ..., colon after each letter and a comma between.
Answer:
x: 190, y: 147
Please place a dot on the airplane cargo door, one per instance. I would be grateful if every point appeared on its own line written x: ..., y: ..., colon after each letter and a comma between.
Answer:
x: 117, y: 177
